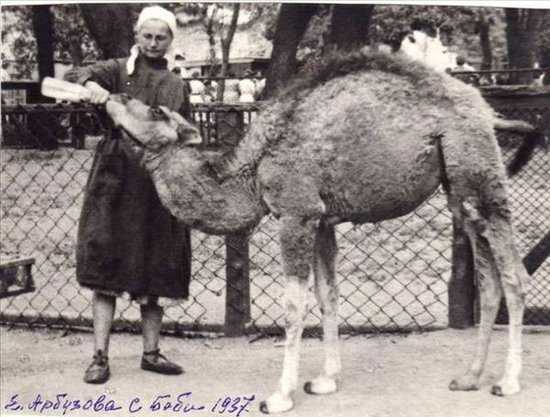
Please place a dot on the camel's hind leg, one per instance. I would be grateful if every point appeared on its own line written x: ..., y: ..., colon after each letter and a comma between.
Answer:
x: 513, y: 278
x: 326, y: 292
x: 498, y: 269
x: 297, y: 242
x: 490, y: 293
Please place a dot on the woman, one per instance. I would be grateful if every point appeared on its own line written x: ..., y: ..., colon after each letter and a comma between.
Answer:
x: 197, y: 89
x: 247, y: 87
x: 127, y: 242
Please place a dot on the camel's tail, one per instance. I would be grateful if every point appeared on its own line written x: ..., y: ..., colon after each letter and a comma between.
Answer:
x: 532, y: 138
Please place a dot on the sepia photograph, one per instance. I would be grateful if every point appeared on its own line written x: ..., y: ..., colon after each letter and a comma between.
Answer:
x: 304, y: 209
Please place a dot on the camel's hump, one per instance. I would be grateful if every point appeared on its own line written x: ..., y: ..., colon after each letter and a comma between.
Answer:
x: 394, y: 71
x: 339, y: 64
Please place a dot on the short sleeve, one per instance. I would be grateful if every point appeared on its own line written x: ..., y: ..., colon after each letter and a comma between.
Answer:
x: 105, y: 73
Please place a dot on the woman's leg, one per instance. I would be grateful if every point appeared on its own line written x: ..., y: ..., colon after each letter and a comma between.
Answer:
x: 151, y: 321
x: 103, y: 307
x: 153, y: 360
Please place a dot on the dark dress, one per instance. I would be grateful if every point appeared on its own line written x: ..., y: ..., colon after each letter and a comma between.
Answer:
x: 127, y: 241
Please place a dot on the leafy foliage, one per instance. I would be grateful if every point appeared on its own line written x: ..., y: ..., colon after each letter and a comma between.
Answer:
x: 391, y: 23
x: 458, y: 26
x: 72, y: 40
x: 219, y: 20
x: 17, y: 32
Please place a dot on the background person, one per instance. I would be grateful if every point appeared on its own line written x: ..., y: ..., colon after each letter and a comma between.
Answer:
x: 127, y: 241
x: 197, y: 89
x: 247, y: 87
x: 463, y: 66
x: 231, y: 91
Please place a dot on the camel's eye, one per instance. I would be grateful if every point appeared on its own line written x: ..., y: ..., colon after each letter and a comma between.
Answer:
x: 157, y: 114
x: 124, y: 98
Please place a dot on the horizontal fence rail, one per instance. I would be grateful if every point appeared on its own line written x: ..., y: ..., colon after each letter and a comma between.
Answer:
x: 393, y: 275
x: 490, y: 77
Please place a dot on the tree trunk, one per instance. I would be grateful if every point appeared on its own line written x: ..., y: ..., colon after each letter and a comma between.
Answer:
x: 42, y: 24
x: 111, y: 26
x: 43, y: 127
x: 483, y: 27
x: 208, y: 23
x: 522, y: 26
x: 349, y: 26
x: 75, y: 50
x: 225, y: 42
x: 292, y: 23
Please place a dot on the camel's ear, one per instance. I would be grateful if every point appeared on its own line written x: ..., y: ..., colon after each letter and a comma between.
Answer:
x: 188, y: 134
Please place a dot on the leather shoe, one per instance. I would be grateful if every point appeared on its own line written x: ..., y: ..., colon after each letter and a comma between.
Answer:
x: 155, y: 361
x: 98, y: 371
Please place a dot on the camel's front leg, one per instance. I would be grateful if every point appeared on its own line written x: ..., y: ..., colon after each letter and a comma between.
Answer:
x: 326, y: 291
x: 297, y: 240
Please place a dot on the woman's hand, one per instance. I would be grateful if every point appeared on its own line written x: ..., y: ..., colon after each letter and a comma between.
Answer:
x: 98, y: 95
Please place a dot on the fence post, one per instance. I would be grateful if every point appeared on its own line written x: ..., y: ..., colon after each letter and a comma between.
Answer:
x: 237, y: 296
x: 230, y: 127
x: 461, y: 288
x: 77, y: 133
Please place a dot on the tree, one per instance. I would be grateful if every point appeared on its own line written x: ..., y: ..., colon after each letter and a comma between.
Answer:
x: 316, y: 29
x: 349, y: 27
x: 226, y: 38
x: 292, y: 23
x: 111, y: 26
x: 63, y: 33
x: 483, y: 26
x: 522, y: 28
x: 42, y: 24
x: 72, y: 40
x: 220, y: 22
x: 18, y: 37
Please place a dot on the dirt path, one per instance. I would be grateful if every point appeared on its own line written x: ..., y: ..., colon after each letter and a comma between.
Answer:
x: 384, y: 375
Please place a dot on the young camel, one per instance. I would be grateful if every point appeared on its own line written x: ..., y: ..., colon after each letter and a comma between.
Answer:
x: 367, y: 137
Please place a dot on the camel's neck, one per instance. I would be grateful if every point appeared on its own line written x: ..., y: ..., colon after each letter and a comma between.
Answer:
x: 199, y: 199
x: 234, y: 206
x: 266, y: 131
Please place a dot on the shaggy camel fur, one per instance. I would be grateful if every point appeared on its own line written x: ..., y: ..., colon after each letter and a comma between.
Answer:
x: 367, y: 137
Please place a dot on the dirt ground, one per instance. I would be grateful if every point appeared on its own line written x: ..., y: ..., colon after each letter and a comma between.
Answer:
x: 384, y: 375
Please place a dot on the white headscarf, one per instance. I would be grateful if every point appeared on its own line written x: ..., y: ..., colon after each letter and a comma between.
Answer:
x: 148, y: 13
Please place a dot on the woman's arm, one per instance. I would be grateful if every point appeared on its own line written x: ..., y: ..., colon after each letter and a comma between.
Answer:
x: 100, y: 78
x: 104, y: 73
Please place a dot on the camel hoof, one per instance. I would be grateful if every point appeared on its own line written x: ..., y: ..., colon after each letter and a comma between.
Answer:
x: 277, y: 403
x: 464, y: 384
x: 503, y: 389
x: 321, y: 386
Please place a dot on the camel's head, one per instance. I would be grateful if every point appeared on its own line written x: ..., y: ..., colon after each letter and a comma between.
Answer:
x: 151, y: 127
